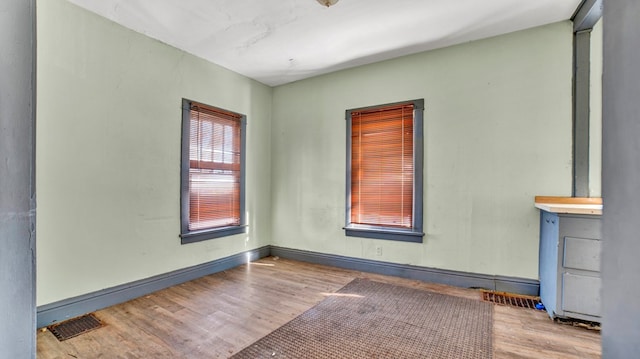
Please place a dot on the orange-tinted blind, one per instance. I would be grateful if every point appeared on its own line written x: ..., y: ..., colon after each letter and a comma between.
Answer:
x: 214, y: 168
x: 382, y: 166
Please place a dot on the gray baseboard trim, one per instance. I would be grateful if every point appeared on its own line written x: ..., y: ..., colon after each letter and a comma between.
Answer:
x: 86, y: 303
x: 425, y: 274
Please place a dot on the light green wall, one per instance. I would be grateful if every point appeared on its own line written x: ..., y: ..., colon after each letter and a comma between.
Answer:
x: 595, y: 112
x: 497, y: 133
x: 108, y: 153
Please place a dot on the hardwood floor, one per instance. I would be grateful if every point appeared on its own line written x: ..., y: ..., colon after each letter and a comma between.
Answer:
x: 217, y: 315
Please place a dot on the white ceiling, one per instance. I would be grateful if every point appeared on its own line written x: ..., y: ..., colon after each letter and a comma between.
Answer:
x: 280, y: 41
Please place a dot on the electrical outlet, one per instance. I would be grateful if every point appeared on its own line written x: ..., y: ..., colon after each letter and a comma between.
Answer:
x: 378, y: 250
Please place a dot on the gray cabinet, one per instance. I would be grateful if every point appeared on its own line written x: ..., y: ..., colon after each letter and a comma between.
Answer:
x: 570, y: 246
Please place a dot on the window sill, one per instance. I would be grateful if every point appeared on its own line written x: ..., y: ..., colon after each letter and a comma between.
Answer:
x: 384, y: 233
x: 205, y: 234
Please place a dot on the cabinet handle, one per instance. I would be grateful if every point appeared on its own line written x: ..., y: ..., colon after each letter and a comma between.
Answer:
x: 547, y: 220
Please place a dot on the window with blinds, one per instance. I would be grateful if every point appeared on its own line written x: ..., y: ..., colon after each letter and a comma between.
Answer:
x: 383, y: 171
x: 213, y: 179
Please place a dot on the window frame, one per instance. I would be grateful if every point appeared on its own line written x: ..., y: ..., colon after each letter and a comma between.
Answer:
x: 415, y: 233
x: 191, y: 236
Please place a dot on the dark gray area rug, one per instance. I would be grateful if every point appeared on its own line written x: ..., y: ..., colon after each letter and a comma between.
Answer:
x: 369, y: 319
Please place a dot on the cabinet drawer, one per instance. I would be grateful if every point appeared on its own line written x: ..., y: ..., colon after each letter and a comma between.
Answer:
x: 581, y: 294
x: 581, y: 253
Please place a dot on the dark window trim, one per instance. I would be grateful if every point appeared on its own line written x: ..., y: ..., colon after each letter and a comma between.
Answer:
x: 385, y: 233
x: 416, y: 233
x: 584, y: 19
x: 205, y: 234
x: 186, y: 235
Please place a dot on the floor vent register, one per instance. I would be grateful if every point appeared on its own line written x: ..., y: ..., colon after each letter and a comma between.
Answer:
x: 74, y: 327
x: 513, y: 300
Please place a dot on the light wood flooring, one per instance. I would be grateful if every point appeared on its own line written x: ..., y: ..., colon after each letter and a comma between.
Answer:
x: 218, y: 315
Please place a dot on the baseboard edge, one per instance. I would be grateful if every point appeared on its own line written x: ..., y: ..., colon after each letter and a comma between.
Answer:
x: 86, y: 303
x: 425, y: 274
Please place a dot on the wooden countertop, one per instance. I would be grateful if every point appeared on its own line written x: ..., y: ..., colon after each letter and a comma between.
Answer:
x: 573, y: 205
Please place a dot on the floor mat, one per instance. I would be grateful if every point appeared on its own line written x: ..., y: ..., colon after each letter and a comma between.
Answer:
x: 369, y: 319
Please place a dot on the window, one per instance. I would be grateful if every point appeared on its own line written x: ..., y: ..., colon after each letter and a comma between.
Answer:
x: 212, y: 172
x: 384, y: 172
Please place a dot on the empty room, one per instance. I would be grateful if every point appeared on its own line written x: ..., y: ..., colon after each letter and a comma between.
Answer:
x: 319, y: 179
